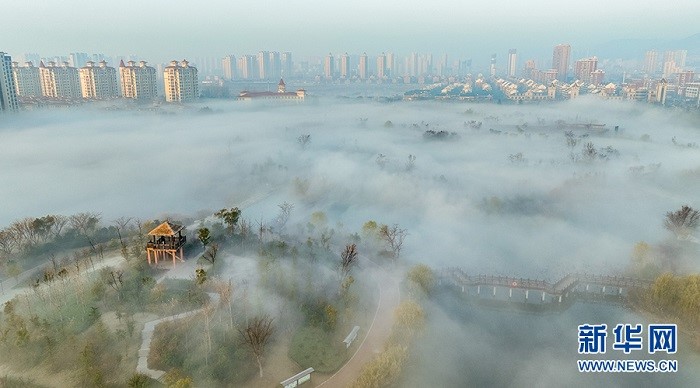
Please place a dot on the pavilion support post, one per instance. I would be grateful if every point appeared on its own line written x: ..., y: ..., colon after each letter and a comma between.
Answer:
x: 603, y: 289
x: 494, y: 290
x: 510, y: 293
x: 527, y: 294
x: 478, y: 290
x: 543, y: 296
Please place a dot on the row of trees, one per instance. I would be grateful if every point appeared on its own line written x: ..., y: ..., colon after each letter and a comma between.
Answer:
x: 30, y: 232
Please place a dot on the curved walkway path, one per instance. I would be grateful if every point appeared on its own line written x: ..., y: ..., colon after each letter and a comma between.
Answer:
x: 377, y: 333
x: 147, y: 337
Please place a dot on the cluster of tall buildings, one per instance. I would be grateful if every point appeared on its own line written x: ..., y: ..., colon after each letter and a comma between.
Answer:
x: 93, y: 81
x: 672, y: 62
x: 266, y: 65
x: 380, y: 67
x: 585, y: 70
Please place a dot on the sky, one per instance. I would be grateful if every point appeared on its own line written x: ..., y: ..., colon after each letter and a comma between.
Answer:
x: 160, y: 29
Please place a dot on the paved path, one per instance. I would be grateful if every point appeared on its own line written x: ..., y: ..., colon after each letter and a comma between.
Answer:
x: 147, y: 337
x: 377, y: 333
x: 10, y: 289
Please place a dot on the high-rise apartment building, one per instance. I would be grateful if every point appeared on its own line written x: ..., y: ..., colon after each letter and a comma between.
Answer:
x: 328, y: 66
x: 583, y: 68
x: 677, y: 56
x: 78, y: 60
x: 560, y: 61
x: 597, y: 77
x: 98, y: 82
x: 181, y: 82
x: 345, y: 66
x: 138, y: 82
x: 8, y: 93
x: 381, y: 66
x: 390, y: 64
x: 287, y: 67
x: 492, y: 68
x: 650, y: 61
x: 264, y: 65
x: 512, y: 63
x: 59, y: 81
x: 248, y: 67
x: 228, y: 65
x: 363, y: 68
x: 27, y: 82
x: 275, y: 65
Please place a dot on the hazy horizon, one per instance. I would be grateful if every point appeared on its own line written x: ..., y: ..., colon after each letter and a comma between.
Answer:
x: 216, y: 28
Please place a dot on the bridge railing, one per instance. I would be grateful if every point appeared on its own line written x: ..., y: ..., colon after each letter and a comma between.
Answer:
x: 459, y: 277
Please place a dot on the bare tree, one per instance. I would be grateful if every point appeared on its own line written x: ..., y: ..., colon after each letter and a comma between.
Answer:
x: 85, y: 224
x: 589, y: 152
x: 60, y: 222
x: 211, y: 252
x: 122, y: 225
x: 411, y: 163
x: 304, y: 140
x: 394, y: 236
x: 8, y: 241
x: 283, y: 216
x: 348, y: 258
x: 682, y: 222
x: 381, y: 161
x: 256, y: 335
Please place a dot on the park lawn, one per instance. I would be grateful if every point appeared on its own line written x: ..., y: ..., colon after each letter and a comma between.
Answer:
x: 313, y: 347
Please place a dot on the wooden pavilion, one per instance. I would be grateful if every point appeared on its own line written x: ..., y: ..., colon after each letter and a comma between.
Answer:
x: 166, y: 240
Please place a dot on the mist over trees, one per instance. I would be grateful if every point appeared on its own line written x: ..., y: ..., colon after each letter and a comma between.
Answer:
x: 303, y: 225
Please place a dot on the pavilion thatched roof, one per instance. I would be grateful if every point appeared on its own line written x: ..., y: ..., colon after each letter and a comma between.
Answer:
x: 167, y: 228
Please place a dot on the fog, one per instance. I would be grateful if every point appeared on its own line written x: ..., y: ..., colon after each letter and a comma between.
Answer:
x: 553, y: 214
x: 509, y: 197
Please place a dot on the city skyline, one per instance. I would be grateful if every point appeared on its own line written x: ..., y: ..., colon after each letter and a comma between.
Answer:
x: 216, y: 27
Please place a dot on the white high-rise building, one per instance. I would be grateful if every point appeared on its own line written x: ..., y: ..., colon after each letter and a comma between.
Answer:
x: 248, y: 67
x: 228, y: 63
x: 650, y: 61
x: 98, y: 82
x: 275, y: 65
x: 138, y: 82
x: 59, y: 81
x: 27, y: 82
x: 329, y: 66
x: 363, y: 68
x: 264, y: 65
x: 8, y: 93
x: 181, y: 82
x: 345, y: 66
x: 287, y: 64
x: 560, y: 61
x: 391, y: 64
x: 512, y: 62
x: 381, y: 66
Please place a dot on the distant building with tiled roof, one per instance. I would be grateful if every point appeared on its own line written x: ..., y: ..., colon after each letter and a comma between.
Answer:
x: 281, y: 94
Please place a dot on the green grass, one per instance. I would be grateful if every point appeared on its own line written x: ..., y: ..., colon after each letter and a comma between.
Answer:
x: 313, y: 347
